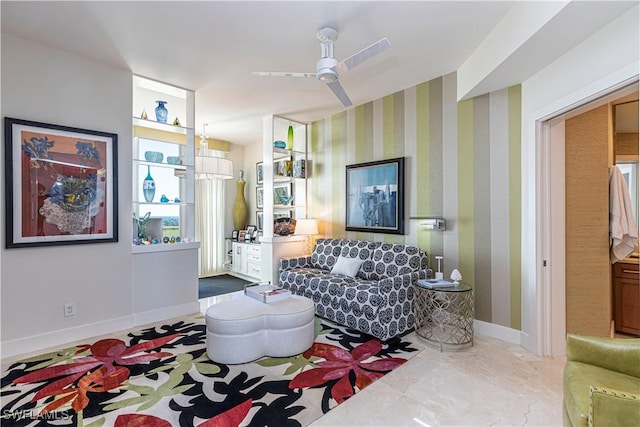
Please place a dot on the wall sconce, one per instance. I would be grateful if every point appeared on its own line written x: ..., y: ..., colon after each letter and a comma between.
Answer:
x: 438, y: 224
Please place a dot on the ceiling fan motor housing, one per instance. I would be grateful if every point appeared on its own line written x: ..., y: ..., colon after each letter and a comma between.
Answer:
x: 324, y: 70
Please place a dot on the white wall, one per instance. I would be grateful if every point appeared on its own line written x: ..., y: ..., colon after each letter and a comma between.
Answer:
x: 53, y: 86
x: 600, y: 63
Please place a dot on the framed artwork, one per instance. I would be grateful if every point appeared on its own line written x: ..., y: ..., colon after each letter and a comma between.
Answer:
x: 375, y: 196
x: 259, y: 173
x: 282, y: 194
x: 259, y: 220
x: 259, y: 197
x: 61, y: 185
x: 282, y: 214
x: 234, y: 235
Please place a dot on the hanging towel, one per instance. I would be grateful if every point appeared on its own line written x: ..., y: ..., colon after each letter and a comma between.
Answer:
x: 622, y: 226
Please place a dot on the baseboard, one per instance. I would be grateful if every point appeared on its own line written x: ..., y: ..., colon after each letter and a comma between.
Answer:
x: 36, y: 343
x: 497, y: 331
x: 164, y: 313
x: 64, y: 337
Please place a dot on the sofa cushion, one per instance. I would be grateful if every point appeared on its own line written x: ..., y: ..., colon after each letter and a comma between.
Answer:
x: 393, y: 260
x: 297, y: 279
x: 579, y: 377
x: 327, y: 252
x: 347, y: 266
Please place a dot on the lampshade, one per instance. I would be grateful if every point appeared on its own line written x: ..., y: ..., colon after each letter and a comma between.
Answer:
x: 209, y: 167
x: 306, y: 227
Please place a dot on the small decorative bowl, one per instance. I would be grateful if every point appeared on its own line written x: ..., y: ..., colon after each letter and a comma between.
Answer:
x: 153, y: 156
x: 174, y: 160
x: 279, y: 144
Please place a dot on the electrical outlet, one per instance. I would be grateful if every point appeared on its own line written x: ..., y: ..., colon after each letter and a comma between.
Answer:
x: 70, y: 309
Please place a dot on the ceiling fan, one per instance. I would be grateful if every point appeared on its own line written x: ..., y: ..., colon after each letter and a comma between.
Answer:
x: 328, y: 69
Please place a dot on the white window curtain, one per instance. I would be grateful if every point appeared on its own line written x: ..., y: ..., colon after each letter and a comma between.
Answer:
x: 210, y: 209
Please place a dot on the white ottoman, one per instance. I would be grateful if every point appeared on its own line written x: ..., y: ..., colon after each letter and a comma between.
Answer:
x: 243, y: 329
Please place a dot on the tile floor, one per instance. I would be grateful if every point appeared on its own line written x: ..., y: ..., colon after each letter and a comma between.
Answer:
x: 493, y: 383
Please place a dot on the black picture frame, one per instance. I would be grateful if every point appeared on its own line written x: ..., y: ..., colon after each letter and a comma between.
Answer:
x: 259, y: 173
x: 259, y: 220
x: 375, y: 196
x: 234, y: 235
x: 259, y: 197
x: 61, y: 185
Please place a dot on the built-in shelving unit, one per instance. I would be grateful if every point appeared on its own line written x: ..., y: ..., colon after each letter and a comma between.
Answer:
x: 286, y: 172
x: 165, y: 275
x: 172, y: 207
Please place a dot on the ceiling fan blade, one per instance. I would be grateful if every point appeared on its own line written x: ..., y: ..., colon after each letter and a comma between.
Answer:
x: 282, y: 74
x: 338, y: 91
x: 358, y: 58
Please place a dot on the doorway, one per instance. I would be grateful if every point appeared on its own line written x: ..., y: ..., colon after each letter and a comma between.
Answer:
x: 557, y: 245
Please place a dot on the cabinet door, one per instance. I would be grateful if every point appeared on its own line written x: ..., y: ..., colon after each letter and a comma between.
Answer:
x: 627, y: 309
x: 240, y: 258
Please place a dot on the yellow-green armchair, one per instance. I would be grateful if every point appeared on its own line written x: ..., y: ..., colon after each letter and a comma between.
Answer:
x: 601, y: 382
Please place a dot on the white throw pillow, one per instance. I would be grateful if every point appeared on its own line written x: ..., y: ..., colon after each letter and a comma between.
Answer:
x: 347, y: 266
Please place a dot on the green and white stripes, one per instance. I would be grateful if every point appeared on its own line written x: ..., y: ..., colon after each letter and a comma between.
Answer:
x: 462, y: 163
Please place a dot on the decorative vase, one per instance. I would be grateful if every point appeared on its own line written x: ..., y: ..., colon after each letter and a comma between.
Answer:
x: 141, y: 225
x: 161, y: 112
x: 240, y: 205
x: 148, y: 186
x: 290, y: 138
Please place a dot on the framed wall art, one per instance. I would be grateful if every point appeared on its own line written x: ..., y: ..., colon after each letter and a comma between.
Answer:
x: 61, y: 185
x: 259, y: 197
x: 375, y: 196
x: 259, y: 173
x: 259, y: 220
x: 282, y: 194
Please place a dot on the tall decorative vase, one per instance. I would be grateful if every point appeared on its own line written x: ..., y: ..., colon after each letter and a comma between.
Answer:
x: 148, y: 186
x: 290, y: 138
x: 240, y: 205
x: 161, y: 112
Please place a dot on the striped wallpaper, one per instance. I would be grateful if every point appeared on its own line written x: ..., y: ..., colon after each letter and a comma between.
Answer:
x: 462, y: 162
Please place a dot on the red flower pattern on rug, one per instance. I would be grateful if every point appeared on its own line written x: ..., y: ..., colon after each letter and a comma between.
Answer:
x: 339, y: 363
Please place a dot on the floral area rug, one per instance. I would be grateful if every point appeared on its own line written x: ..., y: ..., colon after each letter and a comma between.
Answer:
x: 161, y: 376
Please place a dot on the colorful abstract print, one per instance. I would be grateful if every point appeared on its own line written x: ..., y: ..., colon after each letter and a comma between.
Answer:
x: 161, y: 376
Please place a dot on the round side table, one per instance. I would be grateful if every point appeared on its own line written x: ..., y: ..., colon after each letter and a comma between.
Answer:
x: 444, y: 315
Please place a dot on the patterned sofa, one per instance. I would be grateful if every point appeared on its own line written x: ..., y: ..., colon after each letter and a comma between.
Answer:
x: 377, y: 301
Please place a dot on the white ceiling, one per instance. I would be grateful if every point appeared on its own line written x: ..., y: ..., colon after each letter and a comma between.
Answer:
x: 212, y: 47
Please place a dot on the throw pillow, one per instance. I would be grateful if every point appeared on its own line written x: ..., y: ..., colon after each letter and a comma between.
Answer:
x: 347, y: 266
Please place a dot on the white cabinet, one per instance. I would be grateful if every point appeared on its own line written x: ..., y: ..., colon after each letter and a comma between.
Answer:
x: 247, y: 259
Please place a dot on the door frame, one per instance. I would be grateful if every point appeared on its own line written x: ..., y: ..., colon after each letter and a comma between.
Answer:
x: 550, y: 211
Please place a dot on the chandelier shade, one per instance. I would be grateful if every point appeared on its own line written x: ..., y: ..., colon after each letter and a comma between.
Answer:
x: 210, y: 167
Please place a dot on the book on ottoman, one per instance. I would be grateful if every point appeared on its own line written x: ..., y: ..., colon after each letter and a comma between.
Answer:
x: 266, y: 292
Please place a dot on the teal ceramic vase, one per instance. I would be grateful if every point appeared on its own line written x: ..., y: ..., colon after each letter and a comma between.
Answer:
x: 148, y: 187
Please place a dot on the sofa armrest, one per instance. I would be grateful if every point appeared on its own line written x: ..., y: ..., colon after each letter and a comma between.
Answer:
x: 386, y: 285
x: 294, y: 262
x: 609, y: 407
x: 615, y: 354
